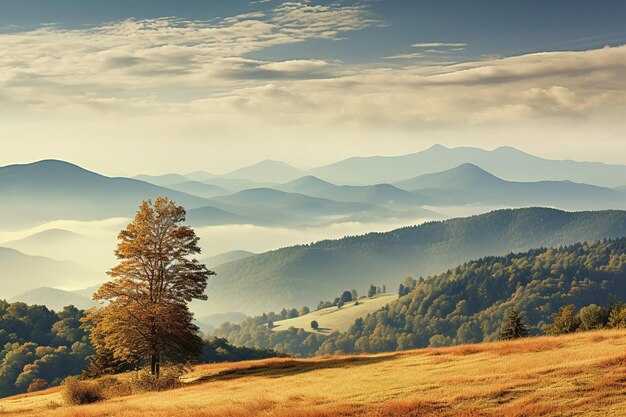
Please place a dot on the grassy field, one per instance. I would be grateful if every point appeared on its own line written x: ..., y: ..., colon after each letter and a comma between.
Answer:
x: 334, y: 319
x: 576, y: 375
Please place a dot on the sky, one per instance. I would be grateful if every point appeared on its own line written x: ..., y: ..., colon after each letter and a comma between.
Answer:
x: 154, y: 86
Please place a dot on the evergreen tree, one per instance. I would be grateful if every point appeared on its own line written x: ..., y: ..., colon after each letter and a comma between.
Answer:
x: 372, y: 291
x: 514, y: 327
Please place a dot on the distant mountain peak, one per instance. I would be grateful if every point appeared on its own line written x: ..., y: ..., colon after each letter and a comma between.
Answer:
x: 309, y: 180
x: 464, y: 175
x: 268, y: 171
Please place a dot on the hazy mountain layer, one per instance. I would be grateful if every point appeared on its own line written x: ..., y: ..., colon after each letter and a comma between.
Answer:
x: 379, y: 194
x: 505, y: 162
x: 223, y: 258
x: 469, y: 184
x: 20, y: 273
x: 54, y: 298
x: 52, y: 190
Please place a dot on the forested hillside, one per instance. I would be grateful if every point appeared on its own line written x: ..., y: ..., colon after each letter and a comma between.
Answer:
x: 467, y: 304
x: 306, y: 274
x: 40, y: 347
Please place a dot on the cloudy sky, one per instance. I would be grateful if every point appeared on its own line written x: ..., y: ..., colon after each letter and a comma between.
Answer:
x: 156, y: 86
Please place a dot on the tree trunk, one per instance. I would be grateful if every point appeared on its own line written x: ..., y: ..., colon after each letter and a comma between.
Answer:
x: 157, y: 366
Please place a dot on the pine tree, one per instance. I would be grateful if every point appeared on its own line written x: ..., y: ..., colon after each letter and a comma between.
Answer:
x: 147, y: 316
x: 372, y: 291
x: 514, y: 327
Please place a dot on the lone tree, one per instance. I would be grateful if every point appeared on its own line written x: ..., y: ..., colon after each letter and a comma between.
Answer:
x: 514, y: 327
x: 147, y: 316
x: 346, y: 297
x: 371, y: 291
x: 315, y: 325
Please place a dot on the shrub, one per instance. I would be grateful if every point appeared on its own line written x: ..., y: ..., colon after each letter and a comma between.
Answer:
x: 169, y: 378
x: 111, y: 387
x: 78, y: 392
x: 37, y: 385
x: 315, y: 325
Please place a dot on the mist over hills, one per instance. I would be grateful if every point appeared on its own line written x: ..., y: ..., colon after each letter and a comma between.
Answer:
x: 274, y: 197
x: 54, y: 298
x: 306, y: 274
x: 222, y: 258
x: 20, y: 273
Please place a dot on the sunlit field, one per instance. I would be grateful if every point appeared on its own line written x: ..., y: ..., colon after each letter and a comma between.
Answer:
x: 575, y: 375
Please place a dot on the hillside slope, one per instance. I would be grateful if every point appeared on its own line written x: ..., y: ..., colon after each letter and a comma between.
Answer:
x: 468, y: 303
x: 332, y: 319
x: 306, y: 274
x: 577, y: 375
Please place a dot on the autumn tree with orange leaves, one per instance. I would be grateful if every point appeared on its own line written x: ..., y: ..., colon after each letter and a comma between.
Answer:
x: 147, y: 315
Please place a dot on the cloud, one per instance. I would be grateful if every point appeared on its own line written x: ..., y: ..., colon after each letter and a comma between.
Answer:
x: 137, y: 56
x: 414, y: 55
x: 438, y: 45
x: 136, y: 84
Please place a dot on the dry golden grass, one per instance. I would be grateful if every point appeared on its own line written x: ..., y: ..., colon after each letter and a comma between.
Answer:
x: 576, y: 375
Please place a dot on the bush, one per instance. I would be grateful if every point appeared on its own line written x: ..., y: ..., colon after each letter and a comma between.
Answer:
x: 78, y: 392
x: 112, y: 387
x: 315, y: 325
x: 37, y: 385
x: 169, y: 378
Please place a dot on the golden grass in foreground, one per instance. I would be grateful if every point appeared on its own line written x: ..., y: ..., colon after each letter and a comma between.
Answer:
x: 576, y: 375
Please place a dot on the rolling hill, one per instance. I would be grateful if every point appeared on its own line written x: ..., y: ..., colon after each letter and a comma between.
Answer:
x: 70, y: 192
x: 164, y: 180
x: 470, y: 184
x: 505, y: 162
x: 333, y: 319
x: 468, y: 303
x: 306, y: 274
x: 54, y: 298
x: 380, y: 194
x: 222, y: 258
x: 575, y: 375
x: 281, y: 208
x: 199, y: 189
x: 92, y: 252
x: 20, y: 273
x: 267, y: 171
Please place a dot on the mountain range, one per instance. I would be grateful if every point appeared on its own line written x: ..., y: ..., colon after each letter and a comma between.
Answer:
x: 505, y: 162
